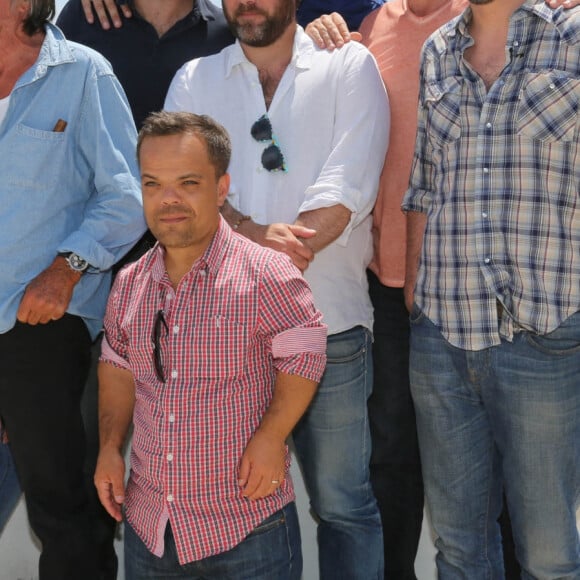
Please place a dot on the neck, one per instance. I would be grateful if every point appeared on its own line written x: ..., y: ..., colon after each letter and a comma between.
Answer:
x: 163, y: 15
x: 18, y: 53
x: 425, y: 7
x: 275, y: 55
x: 493, y: 16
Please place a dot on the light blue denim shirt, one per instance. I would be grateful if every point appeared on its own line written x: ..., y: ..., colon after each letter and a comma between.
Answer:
x: 76, y: 190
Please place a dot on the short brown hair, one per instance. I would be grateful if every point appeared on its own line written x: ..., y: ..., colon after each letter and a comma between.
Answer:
x: 215, y: 137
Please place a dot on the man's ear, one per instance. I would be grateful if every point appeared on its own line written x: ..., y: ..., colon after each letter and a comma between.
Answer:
x: 223, y: 188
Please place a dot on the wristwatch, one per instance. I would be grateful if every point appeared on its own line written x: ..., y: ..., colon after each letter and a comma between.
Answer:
x: 75, y: 262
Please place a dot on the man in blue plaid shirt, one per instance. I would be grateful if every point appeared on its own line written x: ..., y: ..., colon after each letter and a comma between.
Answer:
x: 494, y: 284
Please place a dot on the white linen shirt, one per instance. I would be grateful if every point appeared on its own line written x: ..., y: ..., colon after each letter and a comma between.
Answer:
x: 330, y: 118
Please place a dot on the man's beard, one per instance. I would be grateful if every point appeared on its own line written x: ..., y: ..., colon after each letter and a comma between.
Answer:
x: 266, y: 33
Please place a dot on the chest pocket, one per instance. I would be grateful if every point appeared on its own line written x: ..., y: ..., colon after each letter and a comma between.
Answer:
x: 548, y: 107
x: 443, y: 101
x: 47, y: 148
x: 220, y: 348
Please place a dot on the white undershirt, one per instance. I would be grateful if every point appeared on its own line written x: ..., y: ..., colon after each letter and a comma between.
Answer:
x: 4, y: 107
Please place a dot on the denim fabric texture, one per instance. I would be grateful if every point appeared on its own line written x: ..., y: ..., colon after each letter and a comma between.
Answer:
x: 332, y: 442
x: 271, y: 552
x: 69, y: 190
x: 511, y: 414
x: 9, y: 486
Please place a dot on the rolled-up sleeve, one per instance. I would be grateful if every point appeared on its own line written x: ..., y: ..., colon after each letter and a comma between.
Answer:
x: 290, y: 323
x: 350, y: 176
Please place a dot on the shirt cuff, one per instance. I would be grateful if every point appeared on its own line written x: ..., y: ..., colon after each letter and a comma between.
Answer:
x: 108, y: 355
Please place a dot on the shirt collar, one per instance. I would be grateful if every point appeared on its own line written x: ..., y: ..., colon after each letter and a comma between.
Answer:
x: 537, y: 7
x: 211, y: 260
x: 302, y: 52
x: 54, y: 51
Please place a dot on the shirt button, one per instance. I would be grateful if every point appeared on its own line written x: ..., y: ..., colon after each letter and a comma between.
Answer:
x: 552, y: 86
x: 487, y: 260
x: 170, y: 497
x: 171, y: 418
x: 173, y: 374
x: 176, y: 329
x: 486, y: 169
x: 516, y: 43
x: 488, y: 125
x: 170, y: 457
x: 484, y: 214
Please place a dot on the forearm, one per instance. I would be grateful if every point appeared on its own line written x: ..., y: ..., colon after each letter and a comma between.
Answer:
x: 416, y: 223
x: 329, y: 223
x: 292, y: 395
x: 116, y: 403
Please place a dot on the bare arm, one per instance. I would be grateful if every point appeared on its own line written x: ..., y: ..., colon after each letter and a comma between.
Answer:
x: 107, y: 12
x: 262, y: 467
x: 286, y: 238
x: 48, y: 295
x: 416, y: 223
x: 329, y: 223
x: 116, y: 402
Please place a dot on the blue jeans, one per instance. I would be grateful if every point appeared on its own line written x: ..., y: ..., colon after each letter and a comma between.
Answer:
x: 333, y: 446
x: 508, y: 413
x: 9, y: 487
x: 271, y: 552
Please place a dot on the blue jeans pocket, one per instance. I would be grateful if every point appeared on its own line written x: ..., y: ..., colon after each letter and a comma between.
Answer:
x: 563, y: 341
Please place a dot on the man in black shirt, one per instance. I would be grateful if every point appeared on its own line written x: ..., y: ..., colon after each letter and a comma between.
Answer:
x: 150, y: 46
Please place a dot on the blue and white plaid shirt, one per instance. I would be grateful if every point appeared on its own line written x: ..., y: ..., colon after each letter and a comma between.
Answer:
x: 498, y: 174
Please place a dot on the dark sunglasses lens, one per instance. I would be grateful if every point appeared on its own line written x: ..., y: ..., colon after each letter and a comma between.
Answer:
x: 262, y: 129
x: 159, y: 324
x: 272, y: 158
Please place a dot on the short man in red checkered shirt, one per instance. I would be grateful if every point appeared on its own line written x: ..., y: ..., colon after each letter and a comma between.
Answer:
x: 214, y: 348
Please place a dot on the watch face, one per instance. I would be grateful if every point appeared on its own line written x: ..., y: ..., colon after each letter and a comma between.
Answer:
x: 77, y: 263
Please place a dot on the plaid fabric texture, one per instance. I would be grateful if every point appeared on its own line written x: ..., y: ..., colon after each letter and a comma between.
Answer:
x: 498, y: 171
x: 239, y: 303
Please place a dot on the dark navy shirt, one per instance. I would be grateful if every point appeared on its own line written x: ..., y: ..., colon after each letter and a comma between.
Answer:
x: 353, y: 11
x: 144, y: 63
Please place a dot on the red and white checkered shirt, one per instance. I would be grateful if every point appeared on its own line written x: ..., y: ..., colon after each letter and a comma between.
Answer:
x: 240, y: 315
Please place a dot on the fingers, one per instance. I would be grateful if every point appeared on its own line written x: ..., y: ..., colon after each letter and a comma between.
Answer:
x: 88, y: 10
x: 111, y: 496
x: 126, y: 9
x: 106, y: 10
x: 329, y: 31
x: 260, y: 485
x: 108, y: 479
x: 564, y: 3
x: 34, y: 309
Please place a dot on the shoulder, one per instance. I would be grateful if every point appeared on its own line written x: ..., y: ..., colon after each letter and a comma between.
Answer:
x: 132, y: 275
x: 263, y: 264
x: 75, y: 54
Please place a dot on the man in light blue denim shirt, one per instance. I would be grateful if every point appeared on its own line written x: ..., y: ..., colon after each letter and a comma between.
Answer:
x: 70, y: 208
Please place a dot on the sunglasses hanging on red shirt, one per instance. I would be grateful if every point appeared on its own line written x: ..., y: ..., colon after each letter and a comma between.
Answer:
x: 272, y: 158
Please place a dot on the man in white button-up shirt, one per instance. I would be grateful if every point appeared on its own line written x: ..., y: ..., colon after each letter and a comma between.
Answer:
x: 309, y: 131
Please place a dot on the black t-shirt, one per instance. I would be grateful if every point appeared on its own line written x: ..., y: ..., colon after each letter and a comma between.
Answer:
x: 144, y: 63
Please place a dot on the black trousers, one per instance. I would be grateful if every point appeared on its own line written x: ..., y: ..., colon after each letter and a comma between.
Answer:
x: 395, y: 463
x: 43, y: 370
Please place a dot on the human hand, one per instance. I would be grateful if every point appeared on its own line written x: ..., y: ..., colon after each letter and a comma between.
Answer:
x: 564, y: 3
x: 109, y: 481
x: 286, y: 238
x: 262, y: 467
x: 48, y: 295
x: 330, y: 31
x: 107, y: 12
